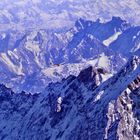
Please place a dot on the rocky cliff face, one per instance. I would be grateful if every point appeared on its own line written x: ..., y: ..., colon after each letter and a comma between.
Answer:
x: 83, y: 107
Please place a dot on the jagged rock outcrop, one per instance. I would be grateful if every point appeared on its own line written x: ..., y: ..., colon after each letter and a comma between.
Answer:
x: 71, y: 110
x: 92, y: 76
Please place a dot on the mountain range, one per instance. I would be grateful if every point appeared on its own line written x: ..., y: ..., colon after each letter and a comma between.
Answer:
x: 54, y: 14
x: 79, y: 107
x: 69, y: 70
x: 39, y: 57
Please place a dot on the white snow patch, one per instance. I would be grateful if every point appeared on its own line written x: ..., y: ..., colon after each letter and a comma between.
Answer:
x: 16, y: 69
x: 103, y: 61
x: 106, y: 76
x: 128, y: 90
x: 91, y: 36
x: 59, y: 102
x: 98, y: 97
x: 13, y: 54
x: 111, y: 39
x: 3, y: 35
x: 33, y: 47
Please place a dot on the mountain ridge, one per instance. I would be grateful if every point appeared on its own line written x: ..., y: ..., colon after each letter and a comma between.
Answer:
x: 40, y: 57
x: 77, y: 107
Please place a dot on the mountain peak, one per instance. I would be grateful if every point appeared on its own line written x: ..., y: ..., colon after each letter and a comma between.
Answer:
x: 86, y: 75
x: 92, y: 75
x: 134, y: 62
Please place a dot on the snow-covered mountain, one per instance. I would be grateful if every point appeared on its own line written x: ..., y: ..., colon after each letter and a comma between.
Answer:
x: 86, y: 106
x: 128, y: 42
x: 39, y: 57
x: 26, y: 14
x: 69, y: 70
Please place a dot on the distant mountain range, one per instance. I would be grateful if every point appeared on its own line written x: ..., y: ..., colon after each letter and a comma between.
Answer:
x: 54, y: 14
